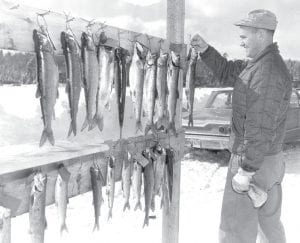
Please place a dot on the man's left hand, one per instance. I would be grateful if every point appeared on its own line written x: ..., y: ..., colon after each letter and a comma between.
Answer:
x: 241, y: 181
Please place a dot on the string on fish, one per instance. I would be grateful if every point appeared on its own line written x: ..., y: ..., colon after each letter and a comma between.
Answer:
x: 149, y: 38
x: 68, y: 28
x: 44, y: 28
x: 160, y: 41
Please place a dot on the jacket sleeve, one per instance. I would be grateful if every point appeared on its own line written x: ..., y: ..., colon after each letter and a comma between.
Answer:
x: 265, y: 99
x: 226, y: 71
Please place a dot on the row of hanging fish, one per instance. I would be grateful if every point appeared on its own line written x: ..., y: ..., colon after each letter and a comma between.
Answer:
x: 154, y: 174
x: 153, y: 81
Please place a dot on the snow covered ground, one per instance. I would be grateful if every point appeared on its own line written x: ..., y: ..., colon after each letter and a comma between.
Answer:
x: 202, y: 183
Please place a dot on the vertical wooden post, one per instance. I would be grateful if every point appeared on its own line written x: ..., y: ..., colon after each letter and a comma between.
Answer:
x: 175, y: 35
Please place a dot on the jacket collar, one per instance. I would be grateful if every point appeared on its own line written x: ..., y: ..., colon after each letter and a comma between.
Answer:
x: 273, y: 48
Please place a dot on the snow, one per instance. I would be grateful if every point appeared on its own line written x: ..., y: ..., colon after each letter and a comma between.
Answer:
x: 202, y: 184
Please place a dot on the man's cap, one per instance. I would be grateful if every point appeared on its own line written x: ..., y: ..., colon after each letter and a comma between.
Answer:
x: 260, y: 18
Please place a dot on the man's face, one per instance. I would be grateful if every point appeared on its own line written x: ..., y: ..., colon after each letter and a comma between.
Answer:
x: 250, y: 41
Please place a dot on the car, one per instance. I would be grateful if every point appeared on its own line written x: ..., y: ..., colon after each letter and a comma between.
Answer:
x: 211, y: 128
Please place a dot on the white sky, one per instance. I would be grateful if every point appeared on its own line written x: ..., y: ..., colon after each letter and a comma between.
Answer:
x: 213, y: 19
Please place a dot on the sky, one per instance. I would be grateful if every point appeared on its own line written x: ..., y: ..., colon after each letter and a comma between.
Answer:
x: 213, y: 19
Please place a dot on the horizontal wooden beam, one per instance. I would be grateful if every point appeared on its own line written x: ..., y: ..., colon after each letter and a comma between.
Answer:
x: 16, y: 184
x: 17, y: 24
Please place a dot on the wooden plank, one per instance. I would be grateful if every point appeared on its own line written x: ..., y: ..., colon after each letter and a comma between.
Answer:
x: 16, y: 184
x: 16, y: 28
x: 175, y: 34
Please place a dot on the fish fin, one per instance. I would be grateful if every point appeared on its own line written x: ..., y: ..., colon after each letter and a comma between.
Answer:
x: 126, y: 205
x: 177, y: 94
x: 85, y: 124
x: 96, y: 226
x: 32, y: 199
x: 107, y: 106
x: 46, y: 224
x: 57, y: 94
x: 38, y: 93
x: 63, y: 228
x: 109, y: 215
x: 72, y: 129
x: 98, y: 120
x: 67, y: 87
x: 146, y: 221
x: 46, y: 135
x: 138, y: 126
x: 138, y: 205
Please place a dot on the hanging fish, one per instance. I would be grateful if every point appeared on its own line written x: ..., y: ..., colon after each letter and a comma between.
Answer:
x: 47, y: 78
x: 110, y: 184
x: 190, y: 83
x: 162, y: 90
x: 173, y: 93
x: 37, y: 219
x: 97, y: 182
x: 74, y: 76
x: 90, y: 80
x: 150, y: 91
x: 137, y: 75
x: 137, y: 184
x: 126, y: 179
x: 106, y: 66
x: 120, y: 83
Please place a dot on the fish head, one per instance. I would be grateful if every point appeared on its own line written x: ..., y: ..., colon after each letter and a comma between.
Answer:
x: 87, y: 41
x: 72, y: 43
x: 41, y: 41
x: 192, y: 55
x: 163, y: 58
x: 151, y: 58
x: 102, y: 38
x: 175, y: 58
x: 39, y: 181
x: 111, y: 161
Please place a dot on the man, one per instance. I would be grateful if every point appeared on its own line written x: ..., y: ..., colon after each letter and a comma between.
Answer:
x: 262, y: 89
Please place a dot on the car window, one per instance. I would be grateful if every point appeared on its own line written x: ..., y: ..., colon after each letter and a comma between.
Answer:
x: 294, y: 103
x: 222, y: 101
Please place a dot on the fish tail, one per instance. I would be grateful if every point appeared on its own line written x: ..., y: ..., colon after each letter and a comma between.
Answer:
x: 126, y: 205
x: 191, y: 121
x: 138, y: 126
x: 153, y: 204
x: 73, y: 128
x: 138, y: 205
x: 47, y: 135
x: 63, y: 228
x: 148, y: 128
x: 161, y: 123
x: 98, y: 120
x: 85, y: 124
x: 109, y: 214
x: 146, y: 221
x: 172, y: 129
x: 96, y: 226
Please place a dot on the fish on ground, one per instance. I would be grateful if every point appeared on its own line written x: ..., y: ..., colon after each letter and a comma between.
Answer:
x: 106, y: 67
x: 97, y: 182
x: 5, y: 225
x: 126, y: 179
x: 162, y: 90
x: 90, y: 79
x: 37, y: 203
x: 110, y: 184
x: 47, y: 79
x: 173, y: 93
x: 61, y: 197
x: 120, y: 83
x: 190, y: 83
x: 150, y: 92
x: 137, y: 75
x: 71, y: 53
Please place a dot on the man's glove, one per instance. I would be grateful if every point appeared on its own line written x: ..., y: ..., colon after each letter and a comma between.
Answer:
x: 241, y: 181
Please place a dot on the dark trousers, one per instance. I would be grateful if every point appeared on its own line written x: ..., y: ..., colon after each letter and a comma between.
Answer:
x: 240, y: 221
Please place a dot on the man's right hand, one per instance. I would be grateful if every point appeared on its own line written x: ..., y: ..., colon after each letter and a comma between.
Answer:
x: 198, y: 43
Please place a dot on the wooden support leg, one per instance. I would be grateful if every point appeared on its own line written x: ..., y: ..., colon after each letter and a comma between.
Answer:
x: 5, y: 225
x: 170, y: 219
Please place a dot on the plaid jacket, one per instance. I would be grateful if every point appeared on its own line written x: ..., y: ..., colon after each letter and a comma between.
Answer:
x: 260, y: 100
